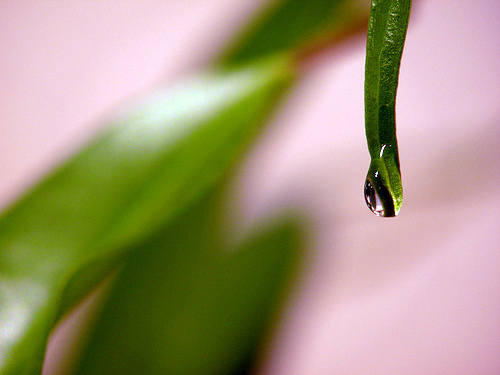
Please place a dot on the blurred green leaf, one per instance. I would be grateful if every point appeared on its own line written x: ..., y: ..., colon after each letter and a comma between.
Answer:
x: 187, y: 303
x: 288, y: 25
x: 169, y: 310
x: 74, y: 227
x: 120, y: 189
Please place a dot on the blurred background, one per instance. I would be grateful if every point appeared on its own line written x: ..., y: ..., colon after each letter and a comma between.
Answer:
x: 419, y: 294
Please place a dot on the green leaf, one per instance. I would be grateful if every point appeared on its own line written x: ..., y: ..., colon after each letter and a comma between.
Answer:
x: 294, y: 25
x: 384, y: 49
x: 187, y: 303
x: 385, y: 42
x: 120, y: 189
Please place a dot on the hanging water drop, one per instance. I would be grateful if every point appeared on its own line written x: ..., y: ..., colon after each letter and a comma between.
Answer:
x: 372, y: 199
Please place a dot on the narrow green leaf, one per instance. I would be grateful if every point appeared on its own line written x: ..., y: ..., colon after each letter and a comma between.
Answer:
x: 186, y: 303
x: 120, y: 189
x: 294, y: 25
x: 384, y: 49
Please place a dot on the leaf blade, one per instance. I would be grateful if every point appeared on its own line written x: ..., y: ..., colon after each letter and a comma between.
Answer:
x: 74, y: 215
x: 386, y: 37
x: 188, y: 305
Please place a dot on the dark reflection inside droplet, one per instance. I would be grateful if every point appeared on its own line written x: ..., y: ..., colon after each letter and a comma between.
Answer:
x: 372, y: 199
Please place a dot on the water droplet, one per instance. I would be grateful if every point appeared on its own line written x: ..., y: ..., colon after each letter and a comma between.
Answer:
x: 372, y: 199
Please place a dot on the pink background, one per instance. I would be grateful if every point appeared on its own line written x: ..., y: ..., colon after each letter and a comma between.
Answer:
x: 419, y: 294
